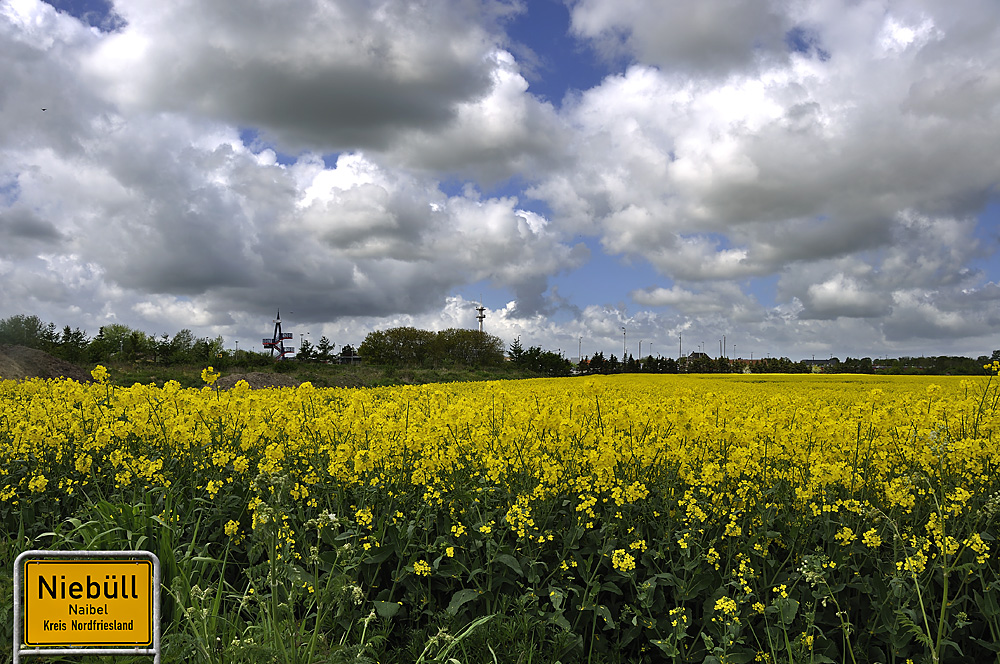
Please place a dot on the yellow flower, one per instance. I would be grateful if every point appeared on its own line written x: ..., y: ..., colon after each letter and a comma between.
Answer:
x: 82, y: 464
x: 232, y: 527
x: 209, y: 376
x: 845, y: 536
x: 422, y: 568
x: 728, y: 608
x: 871, y: 539
x: 364, y: 517
x: 38, y: 483
x: 213, y: 487
x: 622, y: 561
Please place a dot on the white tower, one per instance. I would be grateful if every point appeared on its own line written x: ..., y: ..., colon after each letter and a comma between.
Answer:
x: 482, y: 315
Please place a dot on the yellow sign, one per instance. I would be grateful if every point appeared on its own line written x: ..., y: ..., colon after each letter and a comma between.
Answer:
x: 88, y: 603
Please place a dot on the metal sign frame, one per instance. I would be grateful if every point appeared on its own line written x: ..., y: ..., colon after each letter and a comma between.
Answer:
x: 20, y: 648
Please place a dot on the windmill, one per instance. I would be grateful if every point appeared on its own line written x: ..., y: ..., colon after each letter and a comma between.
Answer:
x: 277, y: 341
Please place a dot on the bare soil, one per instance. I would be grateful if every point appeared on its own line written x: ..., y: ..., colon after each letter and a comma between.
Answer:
x: 21, y: 362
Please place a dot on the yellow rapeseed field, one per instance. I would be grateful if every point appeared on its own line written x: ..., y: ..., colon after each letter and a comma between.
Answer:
x: 695, y: 503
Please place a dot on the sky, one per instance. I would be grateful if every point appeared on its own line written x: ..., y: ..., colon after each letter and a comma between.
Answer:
x: 799, y: 178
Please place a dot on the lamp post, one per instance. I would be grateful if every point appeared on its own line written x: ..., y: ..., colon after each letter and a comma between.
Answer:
x: 624, y: 350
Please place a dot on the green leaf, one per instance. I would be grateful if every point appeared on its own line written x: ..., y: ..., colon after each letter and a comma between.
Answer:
x: 560, y: 620
x: 988, y: 605
x: 605, y: 612
x: 384, y: 553
x: 989, y: 645
x: 556, y: 596
x: 611, y: 588
x: 788, y: 607
x: 669, y: 648
x: 511, y: 562
x: 387, y: 609
x: 460, y: 598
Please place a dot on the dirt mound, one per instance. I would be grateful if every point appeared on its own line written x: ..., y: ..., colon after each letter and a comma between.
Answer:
x: 257, y: 379
x: 20, y: 362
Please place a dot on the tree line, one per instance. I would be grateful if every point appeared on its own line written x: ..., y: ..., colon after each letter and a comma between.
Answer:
x: 121, y: 343
x: 701, y: 363
x: 411, y: 347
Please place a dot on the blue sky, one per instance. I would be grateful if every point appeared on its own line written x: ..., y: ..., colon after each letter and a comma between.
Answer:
x: 803, y: 178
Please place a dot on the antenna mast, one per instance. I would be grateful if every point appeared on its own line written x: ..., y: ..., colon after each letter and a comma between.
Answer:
x: 482, y: 313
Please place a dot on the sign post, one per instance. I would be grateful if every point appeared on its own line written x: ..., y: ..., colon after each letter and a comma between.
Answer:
x: 86, y: 603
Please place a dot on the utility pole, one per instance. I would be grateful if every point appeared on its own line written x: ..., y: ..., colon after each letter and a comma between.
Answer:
x: 624, y: 347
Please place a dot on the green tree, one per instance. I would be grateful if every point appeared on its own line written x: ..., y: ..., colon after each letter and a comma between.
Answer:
x: 181, y: 348
x: 30, y: 331
x: 516, y: 351
x: 544, y: 362
x: 324, y: 350
x: 306, y: 352
x: 598, y: 363
x: 470, y: 348
x: 72, y: 345
x: 398, y: 346
x: 120, y: 342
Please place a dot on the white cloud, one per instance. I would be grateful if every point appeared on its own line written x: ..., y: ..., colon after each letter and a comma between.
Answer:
x: 312, y: 75
x: 504, y: 133
x: 691, y: 35
x: 840, y: 296
x: 799, y: 173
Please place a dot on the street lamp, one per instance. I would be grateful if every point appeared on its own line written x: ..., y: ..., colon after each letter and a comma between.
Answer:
x: 624, y: 350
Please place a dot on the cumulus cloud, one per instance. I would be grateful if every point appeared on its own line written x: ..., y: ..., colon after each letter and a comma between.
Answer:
x: 310, y: 74
x: 503, y: 134
x: 692, y: 36
x: 725, y: 298
x: 785, y: 172
x: 840, y: 296
x: 857, y: 133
